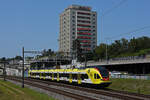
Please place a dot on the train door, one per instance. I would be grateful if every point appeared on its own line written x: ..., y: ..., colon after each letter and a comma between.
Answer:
x: 57, y: 76
x: 79, y: 78
x: 29, y: 74
x: 70, y: 77
x: 52, y: 76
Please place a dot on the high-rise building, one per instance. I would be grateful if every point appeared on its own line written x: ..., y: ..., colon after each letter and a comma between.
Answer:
x: 78, y: 22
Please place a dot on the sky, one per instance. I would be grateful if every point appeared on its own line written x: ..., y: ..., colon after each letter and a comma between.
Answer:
x: 34, y: 24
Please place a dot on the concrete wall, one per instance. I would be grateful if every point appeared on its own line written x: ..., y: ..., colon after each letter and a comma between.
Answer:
x: 13, y: 72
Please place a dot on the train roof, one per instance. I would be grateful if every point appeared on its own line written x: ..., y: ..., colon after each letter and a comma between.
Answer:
x: 97, y: 66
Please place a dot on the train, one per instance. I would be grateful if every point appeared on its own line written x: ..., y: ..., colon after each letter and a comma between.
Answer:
x: 89, y: 75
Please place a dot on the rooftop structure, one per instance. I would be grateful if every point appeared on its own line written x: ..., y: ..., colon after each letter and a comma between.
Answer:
x: 78, y: 22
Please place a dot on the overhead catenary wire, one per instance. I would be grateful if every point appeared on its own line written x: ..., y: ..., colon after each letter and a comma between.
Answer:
x: 114, y: 7
x: 109, y: 11
x: 129, y: 33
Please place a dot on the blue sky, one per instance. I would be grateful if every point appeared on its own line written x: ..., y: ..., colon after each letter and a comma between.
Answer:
x: 34, y: 24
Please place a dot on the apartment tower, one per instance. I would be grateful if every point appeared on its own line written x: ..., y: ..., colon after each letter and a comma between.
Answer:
x: 78, y: 22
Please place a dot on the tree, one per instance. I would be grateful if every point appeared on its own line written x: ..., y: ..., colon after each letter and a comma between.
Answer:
x: 100, y: 51
x: 133, y: 45
x: 48, y: 52
x: 77, y: 49
x: 3, y: 59
x: 18, y: 58
x: 123, y: 47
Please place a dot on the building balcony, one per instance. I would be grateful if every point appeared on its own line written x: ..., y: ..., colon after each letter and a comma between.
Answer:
x: 85, y: 41
x: 84, y: 17
x: 83, y: 33
x: 86, y: 45
x: 84, y: 25
x: 86, y: 49
x: 87, y: 29
x: 83, y: 13
x: 83, y: 21
x: 83, y: 37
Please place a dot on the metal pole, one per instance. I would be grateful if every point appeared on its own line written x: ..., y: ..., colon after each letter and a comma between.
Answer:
x: 106, y: 55
x: 101, y: 37
x: 23, y: 67
x: 76, y: 50
x: 4, y: 71
x: 56, y: 59
x: 85, y: 60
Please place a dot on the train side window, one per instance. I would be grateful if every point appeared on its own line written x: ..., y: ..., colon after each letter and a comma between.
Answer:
x: 55, y: 74
x: 67, y: 75
x: 60, y: 74
x: 50, y: 74
x: 84, y: 76
x: 64, y: 75
x: 37, y: 74
x: 79, y: 76
x: 44, y: 74
x: 74, y: 76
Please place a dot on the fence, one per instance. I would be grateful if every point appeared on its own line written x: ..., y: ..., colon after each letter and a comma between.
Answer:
x: 145, y: 77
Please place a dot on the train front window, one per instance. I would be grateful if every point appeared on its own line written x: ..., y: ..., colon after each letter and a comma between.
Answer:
x: 103, y: 71
x: 96, y: 76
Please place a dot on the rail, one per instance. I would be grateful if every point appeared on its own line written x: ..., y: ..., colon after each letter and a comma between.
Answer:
x: 84, y: 91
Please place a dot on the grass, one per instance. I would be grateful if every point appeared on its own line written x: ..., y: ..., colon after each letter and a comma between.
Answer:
x: 131, y: 85
x: 9, y: 91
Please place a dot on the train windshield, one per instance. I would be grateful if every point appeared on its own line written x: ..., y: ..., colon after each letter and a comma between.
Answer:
x: 103, y: 71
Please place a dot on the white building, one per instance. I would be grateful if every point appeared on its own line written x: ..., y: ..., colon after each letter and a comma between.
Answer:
x: 78, y: 22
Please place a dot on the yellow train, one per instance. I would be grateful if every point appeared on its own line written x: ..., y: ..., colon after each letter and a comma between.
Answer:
x: 92, y: 75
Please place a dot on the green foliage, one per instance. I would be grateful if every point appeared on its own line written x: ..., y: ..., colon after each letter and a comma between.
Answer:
x: 2, y: 59
x: 131, y: 85
x: 48, y: 52
x: 100, y: 51
x: 77, y: 49
x: 123, y: 48
x: 18, y: 58
x: 9, y: 91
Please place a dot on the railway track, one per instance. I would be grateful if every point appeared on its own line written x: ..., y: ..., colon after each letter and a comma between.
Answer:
x: 71, y: 94
x: 83, y: 93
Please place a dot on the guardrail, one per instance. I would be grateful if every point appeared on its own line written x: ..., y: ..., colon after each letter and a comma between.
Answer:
x: 144, y: 77
x: 120, y: 61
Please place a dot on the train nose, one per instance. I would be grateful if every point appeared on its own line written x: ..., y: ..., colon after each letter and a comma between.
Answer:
x: 105, y: 79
